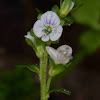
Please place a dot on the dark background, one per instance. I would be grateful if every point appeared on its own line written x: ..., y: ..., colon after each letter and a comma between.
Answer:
x: 17, y: 17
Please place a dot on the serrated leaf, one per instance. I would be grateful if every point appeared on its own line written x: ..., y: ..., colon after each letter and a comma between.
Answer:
x: 61, y: 90
x: 32, y: 67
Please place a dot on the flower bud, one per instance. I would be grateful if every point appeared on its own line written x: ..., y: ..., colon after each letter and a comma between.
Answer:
x: 36, y: 44
x: 66, y: 7
x: 29, y: 39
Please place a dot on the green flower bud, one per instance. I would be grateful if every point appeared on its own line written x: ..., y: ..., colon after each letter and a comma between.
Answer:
x: 66, y: 7
x: 29, y: 39
x: 35, y: 43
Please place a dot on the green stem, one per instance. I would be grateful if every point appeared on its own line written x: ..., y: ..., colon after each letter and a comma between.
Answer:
x: 48, y: 83
x: 43, y: 70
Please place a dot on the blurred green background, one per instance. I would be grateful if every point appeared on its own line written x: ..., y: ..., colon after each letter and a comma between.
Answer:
x: 83, y: 76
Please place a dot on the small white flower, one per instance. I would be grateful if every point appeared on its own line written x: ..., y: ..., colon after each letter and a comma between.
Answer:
x: 60, y: 56
x: 48, y: 27
x: 29, y: 37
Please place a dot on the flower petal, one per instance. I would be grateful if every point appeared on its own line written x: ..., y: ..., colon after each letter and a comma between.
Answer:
x: 72, y: 5
x: 38, y: 28
x: 56, y: 33
x: 50, y: 18
x: 52, y: 52
x: 65, y: 49
x: 29, y: 37
x: 45, y: 38
x: 62, y: 58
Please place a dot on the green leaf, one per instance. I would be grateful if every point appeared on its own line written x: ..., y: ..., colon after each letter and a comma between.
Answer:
x: 76, y: 7
x: 88, y: 14
x: 61, y: 90
x: 55, y: 8
x: 32, y: 67
x: 90, y: 40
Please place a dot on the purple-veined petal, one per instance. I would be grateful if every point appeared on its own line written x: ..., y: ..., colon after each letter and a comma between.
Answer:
x: 38, y: 28
x: 50, y: 18
x: 56, y: 33
x: 45, y: 38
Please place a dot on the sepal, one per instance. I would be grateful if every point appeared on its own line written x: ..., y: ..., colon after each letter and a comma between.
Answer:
x: 29, y: 42
x: 67, y: 21
x: 55, y: 42
x: 55, y: 68
x: 55, y: 8
x: 38, y: 45
x: 39, y: 16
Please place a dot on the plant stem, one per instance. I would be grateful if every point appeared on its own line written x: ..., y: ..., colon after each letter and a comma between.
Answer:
x: 43, y: 70
x: 48, y: 83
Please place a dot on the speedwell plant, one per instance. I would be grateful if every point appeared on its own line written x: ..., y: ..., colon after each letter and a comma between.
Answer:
x: 47, y: 30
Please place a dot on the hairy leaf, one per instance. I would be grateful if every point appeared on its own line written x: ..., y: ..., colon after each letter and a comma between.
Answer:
x: 32, y: 67
x: 61, y: 90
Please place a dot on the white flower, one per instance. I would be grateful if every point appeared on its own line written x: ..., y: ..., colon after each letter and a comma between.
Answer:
x: 48, y: 27
x: 29, y: 37
x: 60, y: 56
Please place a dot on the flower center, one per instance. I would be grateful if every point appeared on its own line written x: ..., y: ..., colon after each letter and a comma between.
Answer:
x: 47, y: 30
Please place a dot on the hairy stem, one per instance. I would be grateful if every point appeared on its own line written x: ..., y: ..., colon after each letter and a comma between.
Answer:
x: 48, y: 83
x: 43, y: 70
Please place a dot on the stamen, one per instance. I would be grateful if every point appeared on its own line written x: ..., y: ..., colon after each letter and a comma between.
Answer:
x: 46, y: 31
